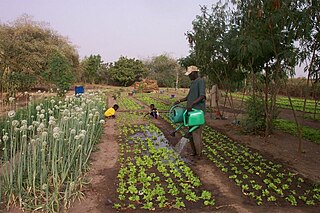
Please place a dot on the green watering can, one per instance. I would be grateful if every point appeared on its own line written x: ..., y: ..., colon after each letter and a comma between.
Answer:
x: 192, y: 119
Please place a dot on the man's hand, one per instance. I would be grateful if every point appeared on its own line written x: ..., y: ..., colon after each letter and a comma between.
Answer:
x: 189, y: 108
x: 177, y: 102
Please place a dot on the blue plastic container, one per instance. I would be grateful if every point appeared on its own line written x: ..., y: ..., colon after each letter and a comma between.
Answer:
x: 79, y: 90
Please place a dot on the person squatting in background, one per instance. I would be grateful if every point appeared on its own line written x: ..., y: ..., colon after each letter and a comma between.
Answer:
x: 154, y: 112
x: 110, y: 113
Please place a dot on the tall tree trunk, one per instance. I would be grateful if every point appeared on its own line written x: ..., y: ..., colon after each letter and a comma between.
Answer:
x: 306, y: 91
x: 267, y: 111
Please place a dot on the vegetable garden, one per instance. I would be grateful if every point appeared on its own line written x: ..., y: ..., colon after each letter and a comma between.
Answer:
x: 46, y: 150
x: 59, y: 154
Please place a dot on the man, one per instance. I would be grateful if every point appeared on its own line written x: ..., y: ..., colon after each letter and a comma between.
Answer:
x: 196, y: 98
x: 110, y: 113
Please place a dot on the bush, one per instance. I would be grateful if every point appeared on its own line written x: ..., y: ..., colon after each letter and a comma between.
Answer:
x: 254, y: 120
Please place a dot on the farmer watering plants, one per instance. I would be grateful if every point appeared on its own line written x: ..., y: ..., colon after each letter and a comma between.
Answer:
x: 196, y: 99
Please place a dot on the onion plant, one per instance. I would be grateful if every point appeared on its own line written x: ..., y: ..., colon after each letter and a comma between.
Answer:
x: 45, y: 151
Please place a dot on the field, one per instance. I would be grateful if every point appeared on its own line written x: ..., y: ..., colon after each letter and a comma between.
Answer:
x: 63, y: 154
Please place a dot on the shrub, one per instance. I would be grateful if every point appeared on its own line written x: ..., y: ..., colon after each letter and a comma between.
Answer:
x: 254, y: 121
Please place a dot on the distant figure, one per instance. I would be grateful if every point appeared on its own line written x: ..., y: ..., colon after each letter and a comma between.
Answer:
x: 214, y: 103
x: 154, y: 112
x: 110, y: 113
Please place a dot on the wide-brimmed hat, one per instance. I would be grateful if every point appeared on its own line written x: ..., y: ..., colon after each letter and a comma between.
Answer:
x: 191, y: 69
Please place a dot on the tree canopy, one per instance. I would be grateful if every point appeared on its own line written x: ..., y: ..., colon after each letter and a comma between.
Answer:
x: 90, y: 68
x: 26, y: 46
x: 260, y: 42
x: 126, y: 71
x: 166, y: 71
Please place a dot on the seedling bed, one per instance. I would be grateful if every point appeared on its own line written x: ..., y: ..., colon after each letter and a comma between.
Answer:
x: 153, y: 176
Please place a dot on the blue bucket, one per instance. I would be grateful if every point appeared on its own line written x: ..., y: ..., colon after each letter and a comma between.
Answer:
x: 79, y: 90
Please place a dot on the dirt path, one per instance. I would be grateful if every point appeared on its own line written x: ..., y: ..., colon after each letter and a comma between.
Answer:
x: 101, y: 193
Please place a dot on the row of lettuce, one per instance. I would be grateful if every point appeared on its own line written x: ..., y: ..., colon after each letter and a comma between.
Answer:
x: 152, y: 175
x: 45, y: 149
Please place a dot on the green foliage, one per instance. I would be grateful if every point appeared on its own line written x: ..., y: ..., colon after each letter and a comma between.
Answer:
x: 25, y: 49
x: 19, y: 81
x: 255, y: 42
x: 59, y: 73
x: 254, y: 120
x: 91, y: 67
x: 290, y: 127
x: 258, y: 177
x: 211, y: 46
x: 126, y: 71
x: 163, y: 69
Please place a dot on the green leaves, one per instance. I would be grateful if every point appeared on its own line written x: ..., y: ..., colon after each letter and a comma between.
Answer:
x: 257, y: 177
x: 59, y: 72
x: 26, y: 47
x: 156, y: 177
x: 126, y: 71
x: 164, y: 69
x: 91, y: 66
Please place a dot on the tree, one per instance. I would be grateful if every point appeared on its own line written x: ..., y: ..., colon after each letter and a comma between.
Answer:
x: 165, y: 70
x: 59, y: 73
x: 212, y: 51
x: 91, y: 66
x: 274, y: 26
x: 255, y: 41
x: 25, y: 48
x: 126, y: 71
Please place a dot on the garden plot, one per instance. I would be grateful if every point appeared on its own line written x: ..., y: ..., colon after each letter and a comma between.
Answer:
x: 46, y: 148
x: 283, y: 102
x: 260, y: 179
x: 128, y: 104
x: 148, y: 100
x: 152, y: 175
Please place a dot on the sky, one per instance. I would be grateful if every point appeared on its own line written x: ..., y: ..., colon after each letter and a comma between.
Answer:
x: 138, y: 29
x: 113, y: 28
